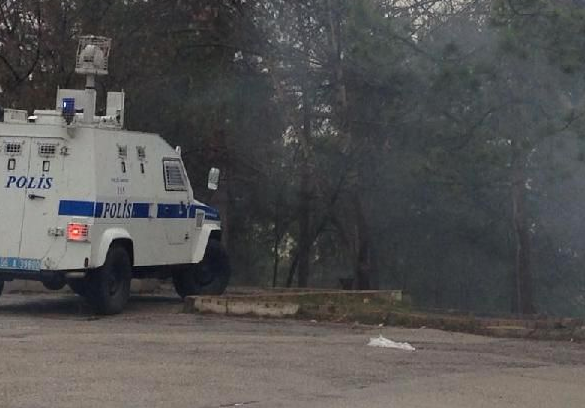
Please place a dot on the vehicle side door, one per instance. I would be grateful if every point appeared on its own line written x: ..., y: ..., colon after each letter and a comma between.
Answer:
x: 14, y: 163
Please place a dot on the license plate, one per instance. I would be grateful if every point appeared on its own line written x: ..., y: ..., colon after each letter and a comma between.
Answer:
x: 20, y: 264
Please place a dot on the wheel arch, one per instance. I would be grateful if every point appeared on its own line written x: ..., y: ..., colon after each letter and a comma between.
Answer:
x: 208, y: 231
x: 113, y: 236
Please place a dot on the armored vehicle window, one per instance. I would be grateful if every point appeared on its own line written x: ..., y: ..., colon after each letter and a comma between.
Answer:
x: 122, y: 151
x: 11, y: 164
x: 141, y: 151
x: 12, y: 148
x: 47, y: 150
x: 174, y: 176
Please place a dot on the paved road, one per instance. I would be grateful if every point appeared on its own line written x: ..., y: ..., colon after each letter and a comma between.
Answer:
x: 55, y: 353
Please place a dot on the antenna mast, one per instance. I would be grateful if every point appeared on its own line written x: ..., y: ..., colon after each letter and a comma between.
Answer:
x: 93, y: 53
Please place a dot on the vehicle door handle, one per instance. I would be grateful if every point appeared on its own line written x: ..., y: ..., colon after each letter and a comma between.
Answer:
x: 34, y: 197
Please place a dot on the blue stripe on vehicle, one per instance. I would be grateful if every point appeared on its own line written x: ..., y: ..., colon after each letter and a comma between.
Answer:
x: 139, y: 210
x: 210, y: 212
x: 99, y: 210
x: 76, y: 208
x: 172, y: 211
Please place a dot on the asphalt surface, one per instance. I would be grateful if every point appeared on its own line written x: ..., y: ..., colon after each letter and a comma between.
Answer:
x: 56, y: 353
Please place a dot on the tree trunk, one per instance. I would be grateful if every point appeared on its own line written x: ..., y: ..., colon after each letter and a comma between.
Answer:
x: 292, y: 270
x: 363, y: 262
x: 522, y: 296
x: 305, y: 240
x: 364, y: 258
x: 276, y: 243
x: 276, y: 262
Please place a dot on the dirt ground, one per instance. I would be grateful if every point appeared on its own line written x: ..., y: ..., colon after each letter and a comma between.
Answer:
x: 56, y: 353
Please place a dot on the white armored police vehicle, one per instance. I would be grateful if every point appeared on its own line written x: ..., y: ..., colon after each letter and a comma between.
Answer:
x: 84, y: 202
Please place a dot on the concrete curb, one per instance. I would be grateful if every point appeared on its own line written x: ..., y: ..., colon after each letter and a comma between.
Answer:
x: 380, y: 307
x: 239, y: 307
x: 318, y: 304
x: 392, y: 296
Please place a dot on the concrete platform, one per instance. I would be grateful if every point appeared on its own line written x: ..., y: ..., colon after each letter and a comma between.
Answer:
x: 326, y: 305
x: 240, y: 307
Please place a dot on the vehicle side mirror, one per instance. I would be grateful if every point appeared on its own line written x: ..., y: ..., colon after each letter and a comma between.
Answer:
x: 213, y: 180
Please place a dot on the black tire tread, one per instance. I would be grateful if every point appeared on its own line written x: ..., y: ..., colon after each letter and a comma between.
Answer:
x: 217, y: 254
x: 186, y: 282
x: 54, y: 285
x: 97, y: 289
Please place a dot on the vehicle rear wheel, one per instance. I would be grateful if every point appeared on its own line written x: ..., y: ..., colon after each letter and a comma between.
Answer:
x: 108, y: 288
x: 1, y: 287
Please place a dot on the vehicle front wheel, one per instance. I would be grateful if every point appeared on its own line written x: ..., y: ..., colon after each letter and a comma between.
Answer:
x: 108, y: 288
x: 214, y: 271
x: 209, y: 277
x: 185, y: 283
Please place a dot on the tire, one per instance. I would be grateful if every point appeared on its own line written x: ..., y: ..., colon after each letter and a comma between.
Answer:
x: 78, y: 286
x: 1, y: 287
x: 108, y: 288
x: 210, y: 277
x: 185, y: 283
x: 55, y: 284
x: 214, y: 270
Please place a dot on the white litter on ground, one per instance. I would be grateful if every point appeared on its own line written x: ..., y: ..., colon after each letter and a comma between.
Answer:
x: 381, y: 341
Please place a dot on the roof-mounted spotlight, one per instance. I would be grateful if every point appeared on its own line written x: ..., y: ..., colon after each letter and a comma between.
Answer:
x: 68, y: 110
